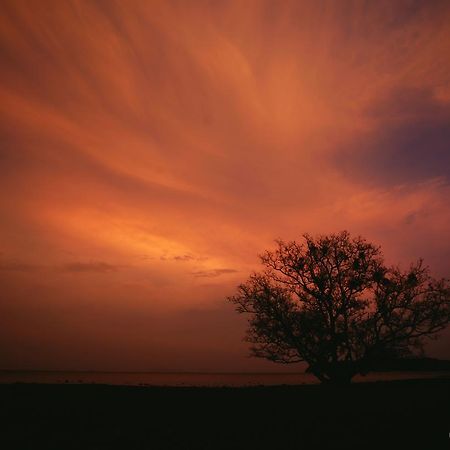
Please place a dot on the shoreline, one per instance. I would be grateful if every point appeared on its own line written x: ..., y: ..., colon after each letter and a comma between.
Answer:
x: 199, y: 379
x: 444, y: 378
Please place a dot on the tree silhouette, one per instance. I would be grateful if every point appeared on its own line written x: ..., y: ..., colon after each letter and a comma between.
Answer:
x: 333, y: 303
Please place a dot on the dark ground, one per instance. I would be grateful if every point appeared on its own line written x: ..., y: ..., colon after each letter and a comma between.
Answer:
x: 402, y: 415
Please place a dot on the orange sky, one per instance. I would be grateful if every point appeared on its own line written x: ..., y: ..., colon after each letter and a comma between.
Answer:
x: 150, y: 150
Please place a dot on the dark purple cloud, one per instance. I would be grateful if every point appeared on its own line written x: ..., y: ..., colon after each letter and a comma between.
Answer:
x: 409, y: 143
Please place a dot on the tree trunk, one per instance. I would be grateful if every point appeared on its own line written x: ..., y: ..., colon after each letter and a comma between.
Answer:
x: 339, y: 381
x: 339, y: 374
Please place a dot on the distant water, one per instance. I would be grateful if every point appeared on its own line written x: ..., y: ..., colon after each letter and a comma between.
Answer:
x: 192, y: 379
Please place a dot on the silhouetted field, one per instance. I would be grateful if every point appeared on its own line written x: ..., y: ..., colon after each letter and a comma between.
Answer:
x: 395, y: 414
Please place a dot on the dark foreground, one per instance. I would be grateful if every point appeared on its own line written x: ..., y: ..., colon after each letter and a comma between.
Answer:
x: 403, y: 415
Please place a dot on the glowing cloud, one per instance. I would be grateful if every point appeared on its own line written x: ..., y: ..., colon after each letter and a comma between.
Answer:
x: 150, y: 150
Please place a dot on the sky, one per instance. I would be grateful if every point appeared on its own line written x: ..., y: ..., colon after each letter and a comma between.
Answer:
x: 150, y: 150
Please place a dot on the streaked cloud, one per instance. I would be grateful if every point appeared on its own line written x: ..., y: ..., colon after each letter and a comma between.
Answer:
x: 213, y: 273
x: 16, y: 266
x: 94, y: 266
x: 153, y: 149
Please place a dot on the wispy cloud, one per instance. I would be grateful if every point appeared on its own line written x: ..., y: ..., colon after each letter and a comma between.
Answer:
x: 178, y: 139
x: 86, y: 267
x: 69, y: 267
x: 16, y: 266
x: 213, y: 273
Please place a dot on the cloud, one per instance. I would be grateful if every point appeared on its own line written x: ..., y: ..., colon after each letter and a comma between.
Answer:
x: 409, y: 140
x: 146, y: 134
x: 16, y: 266
x: 186, y: 257
x: 213, y: 273
x: 87, y: 267
x: 70, y: 267
x: 182, y: 258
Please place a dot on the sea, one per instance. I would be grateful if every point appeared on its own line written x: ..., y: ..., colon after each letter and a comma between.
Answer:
x: 193, y: 379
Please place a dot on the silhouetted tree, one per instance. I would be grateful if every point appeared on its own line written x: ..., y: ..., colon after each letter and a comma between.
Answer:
x: 332, y: 302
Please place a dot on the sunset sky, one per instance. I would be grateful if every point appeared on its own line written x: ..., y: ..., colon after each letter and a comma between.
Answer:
x: 150, y: 150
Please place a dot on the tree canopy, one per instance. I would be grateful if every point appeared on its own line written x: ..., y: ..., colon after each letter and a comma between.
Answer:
x: 332, y: 302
